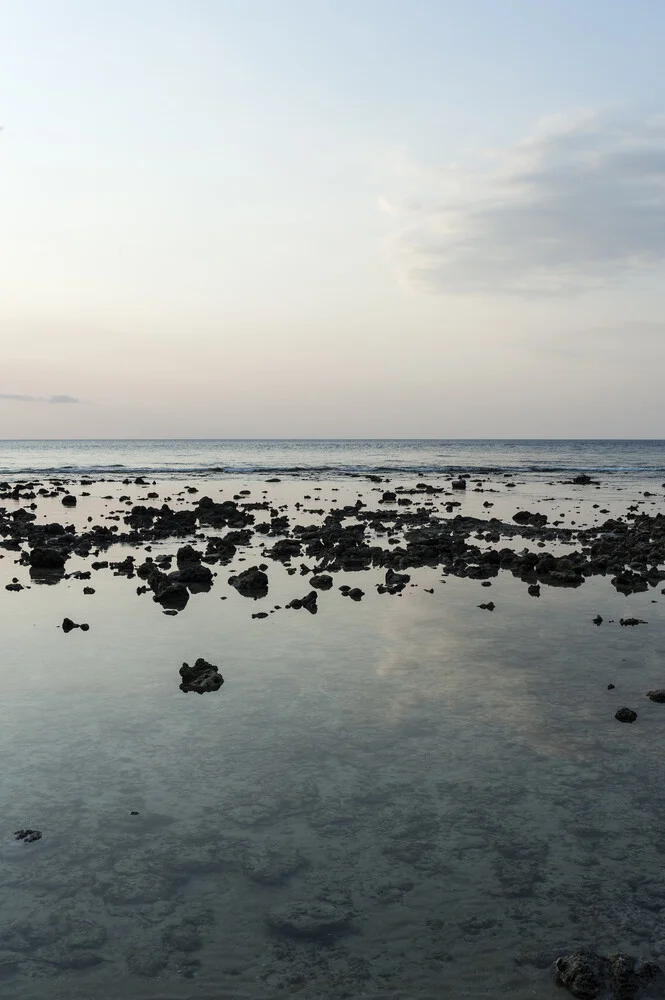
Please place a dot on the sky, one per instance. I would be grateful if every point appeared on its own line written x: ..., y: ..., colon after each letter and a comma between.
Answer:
x: 332, y: 218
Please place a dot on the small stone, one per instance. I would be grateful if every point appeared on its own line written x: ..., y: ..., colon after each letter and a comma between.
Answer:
x: 490, y: 606
x: 625, y: 715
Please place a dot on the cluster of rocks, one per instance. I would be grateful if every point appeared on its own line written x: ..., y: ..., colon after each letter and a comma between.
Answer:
x: 405, y: 531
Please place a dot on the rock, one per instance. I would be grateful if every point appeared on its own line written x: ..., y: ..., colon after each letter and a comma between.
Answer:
x: 308, y: 919
x: 632, y: 621
x: 88, y: 590
x: 252, y: 582
x: 172, y: 595
x: 194, y: 574
x: 14, y: 586
x: 597, y: 620
x: 68, y: 625
x: 490, y: 606
x: 625, y: 715
x: 260, y: 614
x: 43, y: 557
x: 388, y: 497
x: 657, y: 695
x: 534, y: 590
x: 201, y: 677
x: 69, y: 500
x: 458, y: 484
x: 610, y: 687
x: 395, y: 582
x: 356, y: 594
x: 322, y: 581
x: 187, y: 554
x: 28, y: 836
x: 582, y: 480
x: 526, y: 517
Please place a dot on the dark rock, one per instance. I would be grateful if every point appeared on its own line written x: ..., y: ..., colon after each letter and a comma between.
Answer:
x: 88, y: 590
x: 490, y: 606
x: 252, y: 582
x: 260, y: 614
x: 28, y: 836
x: 657, y: 695
x: 597, y: 620
x: 458, y: 484
x: 526, y: 517
x: 395, y: 582
x: 172, y: 595
x: 534, y: 590
x: 625, y: 715
x: 46, y: 558
x: 356, y: 594
x: 201, y: 677
x: 69, y: 500
x: 610, y: 687
x: 631, y: 621
x: 322, y: 581
x: 68, y: 625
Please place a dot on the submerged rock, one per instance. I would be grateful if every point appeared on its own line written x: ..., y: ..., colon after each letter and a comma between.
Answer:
x: 201, y: 677
x: 28, y: 836
x: 657, y: 695
x: 308, y: 920
x: 588, y: 975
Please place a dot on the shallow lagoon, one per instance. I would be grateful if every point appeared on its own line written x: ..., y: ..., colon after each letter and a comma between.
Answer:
x: 451, y: 781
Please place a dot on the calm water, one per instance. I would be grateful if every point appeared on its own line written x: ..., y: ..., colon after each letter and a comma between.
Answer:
x: 117, y: 458
x: 451, y: 780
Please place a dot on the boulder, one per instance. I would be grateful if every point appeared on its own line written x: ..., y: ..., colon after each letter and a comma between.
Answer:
x: 625, y: 715
x: 322, y: 581
x: 657, y: 695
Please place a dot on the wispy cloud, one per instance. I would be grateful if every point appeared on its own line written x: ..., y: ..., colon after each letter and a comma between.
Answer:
x: 21, y: 397
x: 577, y: 206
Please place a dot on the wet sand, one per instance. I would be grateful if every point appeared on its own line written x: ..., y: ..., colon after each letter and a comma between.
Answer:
x: 400, y: 795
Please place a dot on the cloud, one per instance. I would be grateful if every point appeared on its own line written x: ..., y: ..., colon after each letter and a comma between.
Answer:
x: 578, y: 206
x: 21, y: 397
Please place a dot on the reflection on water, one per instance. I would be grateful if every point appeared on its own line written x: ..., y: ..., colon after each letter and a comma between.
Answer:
x: 405, y: 797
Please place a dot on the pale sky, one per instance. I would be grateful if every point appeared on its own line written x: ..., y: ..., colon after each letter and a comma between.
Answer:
x: 332, y: 218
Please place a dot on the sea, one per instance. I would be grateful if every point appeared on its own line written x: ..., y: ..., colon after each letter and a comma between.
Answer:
x: 402, y: 797
x: 210, y: 457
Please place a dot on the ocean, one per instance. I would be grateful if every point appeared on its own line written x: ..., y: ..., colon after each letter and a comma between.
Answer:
x: 174, y: 458
x: 404, y: 792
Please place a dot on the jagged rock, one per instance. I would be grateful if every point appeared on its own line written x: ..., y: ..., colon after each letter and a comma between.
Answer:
x: 252, y: 582
x: 395, y: 582
x: 201, y: 677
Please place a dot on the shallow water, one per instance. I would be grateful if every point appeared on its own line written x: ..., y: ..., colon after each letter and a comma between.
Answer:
x: 451, y: 780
